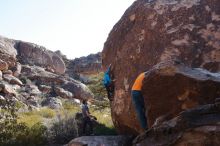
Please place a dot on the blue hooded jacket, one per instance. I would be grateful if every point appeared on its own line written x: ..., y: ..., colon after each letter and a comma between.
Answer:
x: 107, y: 79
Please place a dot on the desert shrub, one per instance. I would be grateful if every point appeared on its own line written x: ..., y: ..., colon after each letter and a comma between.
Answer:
x: 29, y: 120
x: 70, y: 106
x: 63, y: 130
x: 46, y: 113
x: 33, y: 136
x: 19, y: 104
x: 13, y: 133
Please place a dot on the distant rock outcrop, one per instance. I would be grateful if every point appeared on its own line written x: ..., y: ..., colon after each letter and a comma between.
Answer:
x: 79, y: 68
x: 32, y: 54
x: 155, y: 31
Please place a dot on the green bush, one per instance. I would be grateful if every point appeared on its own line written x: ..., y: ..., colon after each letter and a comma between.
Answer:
x: 96, y: 85
x: 33, y: 136
x: 98, y: 89
x: 19, y: 105
x: 13, y: 133
x: 45, y: 113
x: 29, y: 120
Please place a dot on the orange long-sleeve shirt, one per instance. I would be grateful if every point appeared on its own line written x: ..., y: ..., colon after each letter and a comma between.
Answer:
x: 138, y: 82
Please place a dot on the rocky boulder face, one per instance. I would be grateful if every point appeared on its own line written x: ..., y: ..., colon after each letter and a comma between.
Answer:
x: 34, y: 76
x: 80, y: 67
x: 156, y: 31
x: 197, y: 127
x: 28, y: 53
x: 62, y: 86
x: 169, y: 88
x: 178, y: 86
x: 32, y: 54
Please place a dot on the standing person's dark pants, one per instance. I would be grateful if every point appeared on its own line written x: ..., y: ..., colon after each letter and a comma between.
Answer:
x: 87, y: 121
x: 138, y: 101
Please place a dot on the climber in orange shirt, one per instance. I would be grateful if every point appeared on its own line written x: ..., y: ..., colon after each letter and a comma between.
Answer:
x: 138, y: 100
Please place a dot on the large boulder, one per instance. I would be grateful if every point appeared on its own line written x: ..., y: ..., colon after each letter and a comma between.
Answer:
x: 40, y: 75
x: 101, y: 141
x: 32, y: 54
x: 171, y: 87
x: 79, y: 90
x: 195, y: 127
x: 153, y: 31
x: 168, y: 88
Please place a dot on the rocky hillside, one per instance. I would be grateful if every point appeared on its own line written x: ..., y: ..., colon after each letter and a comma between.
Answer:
x: 81, y: 68
x: 35, y: 76
x: 148, y: 36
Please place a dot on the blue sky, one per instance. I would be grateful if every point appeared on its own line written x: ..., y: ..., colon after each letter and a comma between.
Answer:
x: 76, y: 27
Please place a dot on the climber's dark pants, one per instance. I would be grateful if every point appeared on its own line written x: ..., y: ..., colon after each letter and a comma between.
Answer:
x: 110, y: 91
x: 138, y: 102
x: 87, y: 121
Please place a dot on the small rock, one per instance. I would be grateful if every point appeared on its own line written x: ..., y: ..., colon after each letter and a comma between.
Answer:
x: 44, y: 89
x: 7, y: 89
x: 16, y: 81
x: 7, y: 77
x: 17, y: 70
x: 53, y: 103
x: 32, y: 89
x: 2, y: 98
x: 3, y: 65
x: 12, y: 80
x: 63, y: 93
x: 7, y: 72
x: 32, y: 100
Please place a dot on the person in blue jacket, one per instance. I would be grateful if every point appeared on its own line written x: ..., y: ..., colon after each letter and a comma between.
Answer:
x: 108, y: 83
